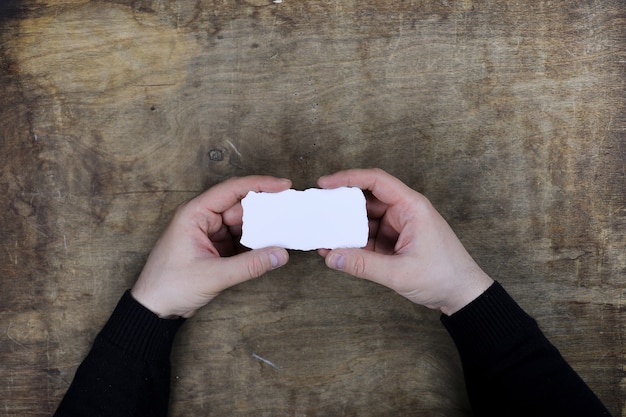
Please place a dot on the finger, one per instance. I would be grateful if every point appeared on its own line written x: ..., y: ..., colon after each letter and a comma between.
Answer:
x: 223, y: 196
x: 375, y: 208
x: 251, y: 264
x: 371, y: 241
x: 372, y: 226
x: 385, y: 244
x: 233, y: 216
x: 383, y: 186
x: 387, y: 231
x: 323, y: 252
x: 225, y: 247
x: 235, y: 231
x: 220, y: 234
x: 371, y: 244
x: 360, y: 263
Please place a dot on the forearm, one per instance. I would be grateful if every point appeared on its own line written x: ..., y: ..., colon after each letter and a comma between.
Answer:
x: 510, y: 367
x: 127, y: 371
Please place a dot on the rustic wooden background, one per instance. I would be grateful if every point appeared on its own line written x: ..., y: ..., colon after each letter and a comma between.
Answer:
x: 509, y: 116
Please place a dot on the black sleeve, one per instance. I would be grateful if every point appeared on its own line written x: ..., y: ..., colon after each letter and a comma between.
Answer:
x: 510, y: 367
x: 127, y: 371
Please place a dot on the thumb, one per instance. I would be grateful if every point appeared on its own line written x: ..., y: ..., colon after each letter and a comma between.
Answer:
x: 252, y: 264
x: 359, y: 262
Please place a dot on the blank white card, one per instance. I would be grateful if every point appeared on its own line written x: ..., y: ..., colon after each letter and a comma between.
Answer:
x: 305, y: 220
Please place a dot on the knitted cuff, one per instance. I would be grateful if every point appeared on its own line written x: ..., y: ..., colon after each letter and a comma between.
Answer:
x: 138, y: 331
x: 488, y: 320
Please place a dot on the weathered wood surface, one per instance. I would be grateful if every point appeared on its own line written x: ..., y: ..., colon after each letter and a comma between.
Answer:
x: 509, y: 115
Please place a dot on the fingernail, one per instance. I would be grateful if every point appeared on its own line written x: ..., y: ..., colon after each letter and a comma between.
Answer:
x: 277, y: 259
x: 337, y: 261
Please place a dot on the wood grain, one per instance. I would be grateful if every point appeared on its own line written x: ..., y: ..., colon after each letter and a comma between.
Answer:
x: 509, y: 117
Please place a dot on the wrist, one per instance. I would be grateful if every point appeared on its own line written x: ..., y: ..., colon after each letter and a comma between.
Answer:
x: 474, y: 285
x: 151, y: 304
x: 138, y: 331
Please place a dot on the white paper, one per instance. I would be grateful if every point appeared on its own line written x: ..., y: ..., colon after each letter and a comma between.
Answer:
x: 305, y: 220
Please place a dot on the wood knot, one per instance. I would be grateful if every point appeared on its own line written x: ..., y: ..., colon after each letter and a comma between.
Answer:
x: 216, y: 154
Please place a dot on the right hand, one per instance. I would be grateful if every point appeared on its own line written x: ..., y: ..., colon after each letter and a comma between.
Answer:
x: 411, y: 248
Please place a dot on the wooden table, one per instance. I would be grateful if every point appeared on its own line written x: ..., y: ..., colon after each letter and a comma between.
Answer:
x: 509, y: 116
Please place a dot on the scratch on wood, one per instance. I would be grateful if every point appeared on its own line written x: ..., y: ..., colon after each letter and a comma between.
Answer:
x: 395, y: 47
x: 11, y: 258
x: 234, y: 147
x: 9, y: 335
x: 270, y: 363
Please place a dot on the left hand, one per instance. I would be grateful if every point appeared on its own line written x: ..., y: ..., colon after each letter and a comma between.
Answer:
x: 197, y: 256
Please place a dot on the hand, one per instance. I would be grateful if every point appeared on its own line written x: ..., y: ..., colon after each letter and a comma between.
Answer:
x: 198, y: 255
x: 411, y: 248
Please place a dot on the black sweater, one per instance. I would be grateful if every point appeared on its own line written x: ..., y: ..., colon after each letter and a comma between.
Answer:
x: 510, y: 368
